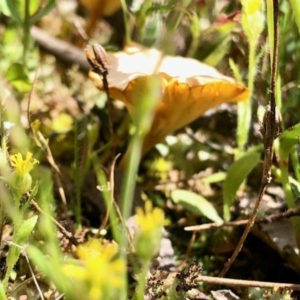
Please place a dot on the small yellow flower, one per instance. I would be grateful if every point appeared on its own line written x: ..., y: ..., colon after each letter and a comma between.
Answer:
x: 22, y: 166
x: 62, y: 123
x: 101, y: 272
x: 151, y: 218
x: 252, y: 6
x: 147, y: 240
x: 159, y: 168
x: 36, y: 125
x: 21, y: 180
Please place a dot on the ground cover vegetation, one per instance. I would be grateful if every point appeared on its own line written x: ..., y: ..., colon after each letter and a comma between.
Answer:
x: 149, y: 149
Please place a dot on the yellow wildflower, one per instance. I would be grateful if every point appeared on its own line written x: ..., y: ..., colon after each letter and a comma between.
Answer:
x: 151, y: 218
x: 150, y: 221
x: 102, y: 271
x: 62, y: 123
x: 36, y: 125
x: 21, y: 180
x: 159, y: 168
x: 22, y: 166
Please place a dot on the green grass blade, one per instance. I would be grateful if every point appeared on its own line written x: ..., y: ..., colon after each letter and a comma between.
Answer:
x: 289, y: 138
x: 296, y: 10
x: 236, y: 174
x: 196, y: 204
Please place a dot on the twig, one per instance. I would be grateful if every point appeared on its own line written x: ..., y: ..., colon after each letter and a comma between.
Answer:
x: 61, y: 228
x: 43, y: 144
x: 28, y: 280
x: 118, y: 211
x: 81, y: 30
x: 188, y: 252
x: 97, y: 58
x: 60, y: 49
x: 274, y: 217
x: 38, y: 138
x: 247, y: 283
x: 33, y: 277
x: 270, y: 131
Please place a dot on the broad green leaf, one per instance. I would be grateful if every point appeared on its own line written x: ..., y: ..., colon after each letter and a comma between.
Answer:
x: 236, y: 174
x: 24, y: 231
x: 18, y: 78
x: 11, y: 260
x: 21, y: 235
x: 14, y: 13
x: 289, y: 138
x: 196, y: 204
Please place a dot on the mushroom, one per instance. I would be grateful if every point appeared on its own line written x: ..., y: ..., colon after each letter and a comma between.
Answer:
x: 188, y: 87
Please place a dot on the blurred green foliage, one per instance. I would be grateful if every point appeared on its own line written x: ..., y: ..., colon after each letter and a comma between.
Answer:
x: 232, y: 35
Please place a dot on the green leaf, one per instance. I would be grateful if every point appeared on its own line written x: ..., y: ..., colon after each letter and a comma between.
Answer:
x: 42, y: 12
x: 289, y: 138
x: 21, y: 235
x: 34, y: 5
x: 51, y: 268
x: 236, y: 174
x: 196, y: 204
x: 4, y: 10
x: 32, y: 8
x: 296, y: 188
x: 14, y: 13
x: 159, y: 8
x: 216, y: 177
x: 2, y: 292
x: 18, y: 78
x: 220, y: 50
x: 24, y: 231
x: 236, y: 71
x: 296, y: 11
x: 295, y: 162
x: 38, y: 259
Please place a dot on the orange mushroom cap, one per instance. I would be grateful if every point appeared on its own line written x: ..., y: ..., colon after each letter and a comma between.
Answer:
x: 188, y: 88
x: 102, y: 7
